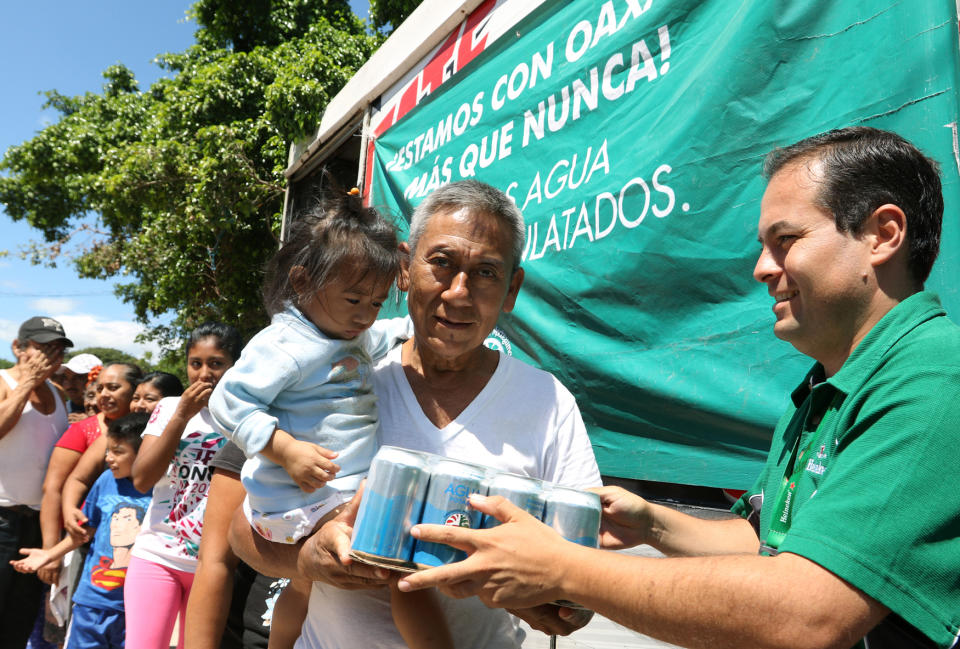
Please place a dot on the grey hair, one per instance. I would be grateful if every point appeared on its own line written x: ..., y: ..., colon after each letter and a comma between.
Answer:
x: 477, y: 197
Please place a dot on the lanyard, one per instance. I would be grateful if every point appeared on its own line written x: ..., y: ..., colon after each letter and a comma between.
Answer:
x: 785, y: 501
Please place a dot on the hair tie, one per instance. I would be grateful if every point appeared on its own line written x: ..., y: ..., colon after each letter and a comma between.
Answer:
x: 354, y: 192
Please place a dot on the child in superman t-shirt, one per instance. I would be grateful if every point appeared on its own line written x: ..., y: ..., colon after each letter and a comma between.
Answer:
x: 114, y: 509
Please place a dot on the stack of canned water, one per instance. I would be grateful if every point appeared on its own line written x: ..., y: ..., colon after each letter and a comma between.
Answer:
x: 408, y: 487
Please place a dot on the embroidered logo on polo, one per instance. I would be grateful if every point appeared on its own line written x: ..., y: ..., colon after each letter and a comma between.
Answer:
x: 816, y: 465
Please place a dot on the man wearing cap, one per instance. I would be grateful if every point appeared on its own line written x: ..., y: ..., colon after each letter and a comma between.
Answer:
x: 72, y: 379
x: 32, y: 418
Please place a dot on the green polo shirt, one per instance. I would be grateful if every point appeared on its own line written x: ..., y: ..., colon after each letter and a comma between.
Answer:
x: 875, y: 501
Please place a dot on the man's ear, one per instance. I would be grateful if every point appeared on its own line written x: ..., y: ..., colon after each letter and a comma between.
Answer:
x: 515, y: 282
x: 887, y: 230
x: 403, y: 277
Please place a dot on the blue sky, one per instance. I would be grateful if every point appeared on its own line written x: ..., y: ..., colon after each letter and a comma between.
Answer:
x: 65, y: 45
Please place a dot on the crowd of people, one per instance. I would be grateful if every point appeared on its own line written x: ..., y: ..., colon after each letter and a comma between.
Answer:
x: 229, y: 504
x: 87, y: 482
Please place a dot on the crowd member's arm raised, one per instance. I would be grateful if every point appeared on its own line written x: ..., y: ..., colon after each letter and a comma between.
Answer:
x: 157, y: 451
x: 35, y: 365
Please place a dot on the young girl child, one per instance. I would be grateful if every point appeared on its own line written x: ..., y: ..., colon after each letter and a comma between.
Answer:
x: 178, y: 444
x: 115, y: 509
x: 303, y: 387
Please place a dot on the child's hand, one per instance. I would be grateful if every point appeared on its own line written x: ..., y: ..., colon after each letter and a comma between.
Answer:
x: 308, y: 464
x: 74, y: 522
x: 35, y: 560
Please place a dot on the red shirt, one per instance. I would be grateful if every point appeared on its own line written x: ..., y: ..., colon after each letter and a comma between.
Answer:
x: 80, y: 436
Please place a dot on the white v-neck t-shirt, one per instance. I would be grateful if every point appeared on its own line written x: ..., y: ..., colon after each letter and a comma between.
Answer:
x: 523, y: 421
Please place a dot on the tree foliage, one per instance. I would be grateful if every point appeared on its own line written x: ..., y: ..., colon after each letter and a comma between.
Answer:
x: 388, y: 14
x: 243, y: 26
x: 179, y: 188
x: 107, y: 355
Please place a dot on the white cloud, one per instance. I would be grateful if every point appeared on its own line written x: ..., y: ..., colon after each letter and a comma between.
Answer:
x: 90, y: 331
x: 54, y: 305
x: 8, y: 331
x: 86, y: 330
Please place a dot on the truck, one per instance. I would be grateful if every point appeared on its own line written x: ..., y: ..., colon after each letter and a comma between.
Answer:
x: 631, y: 134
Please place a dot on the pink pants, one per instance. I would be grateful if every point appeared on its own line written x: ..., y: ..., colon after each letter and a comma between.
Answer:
x: 153, y: 596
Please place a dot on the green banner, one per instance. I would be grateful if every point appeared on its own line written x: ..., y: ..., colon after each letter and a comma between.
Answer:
x: 631, y: 135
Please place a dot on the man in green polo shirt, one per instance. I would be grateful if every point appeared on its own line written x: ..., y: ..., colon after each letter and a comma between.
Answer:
x: 851, y: 535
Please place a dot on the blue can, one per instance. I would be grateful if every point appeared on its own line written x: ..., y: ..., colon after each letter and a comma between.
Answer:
x: 451, y: 483
x: 392, y: 501
x: 524, y: 492
x: 574, y: 514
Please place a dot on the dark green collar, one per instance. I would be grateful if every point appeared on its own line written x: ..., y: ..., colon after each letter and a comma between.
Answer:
x: 900, y: 320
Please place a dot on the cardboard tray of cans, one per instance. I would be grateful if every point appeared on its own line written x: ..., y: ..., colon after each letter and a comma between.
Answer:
x: 410, y: 567
x: 407, y: 487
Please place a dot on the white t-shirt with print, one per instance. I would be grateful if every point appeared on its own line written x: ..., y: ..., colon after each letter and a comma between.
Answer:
x: 523, y: 421
x: 171, y: 530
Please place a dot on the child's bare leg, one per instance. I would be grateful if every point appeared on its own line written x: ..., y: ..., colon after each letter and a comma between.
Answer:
x: 289, y: 611
x: 419, y: 619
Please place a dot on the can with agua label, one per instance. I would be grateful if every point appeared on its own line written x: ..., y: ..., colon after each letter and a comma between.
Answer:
x: 526, y: 493
x: 392, y: 501
x: 451, y: 483
x: 574, y: 514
